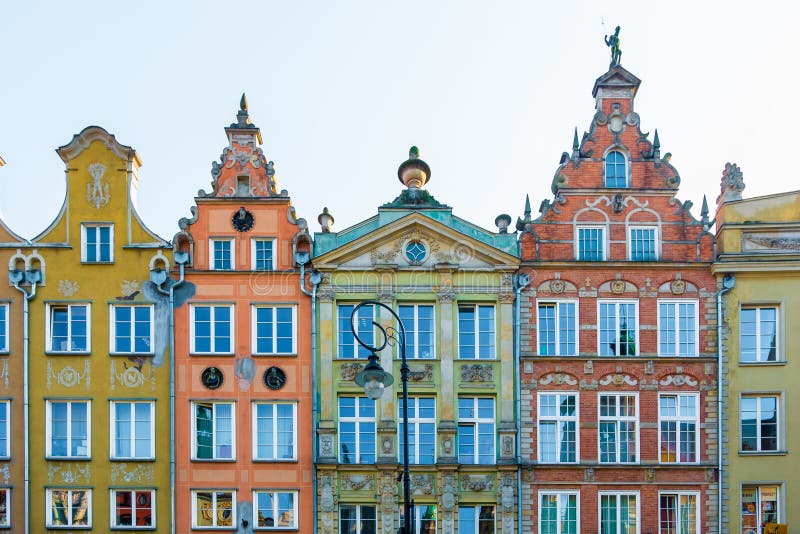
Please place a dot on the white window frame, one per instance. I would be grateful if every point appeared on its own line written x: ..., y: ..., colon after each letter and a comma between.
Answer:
x: 192, y: 345
x: 675, y: 303
x: 558, y: 419
x: 603, y: 237
x: 275, y: 493
x: 477, y: 510
x: 560, y: 495
x: 757, y: 486
x: 49, y: 428
x: 416, y: 520
x: 133, y: 492
x: 358, y: 518
x: 5, y: 310
x: 51, y: 307
x: 358, y: 352
x: 414, y: 420
x: 85, y: 243
x: 6, y: 425
x: 678, y: 418
x: 214, y: 457
x: 618, y: 494
x: 758, y: 307
x: 253, y: 246
x: 558, y: 318
x: 49, y: 509
x: 274, y: 405
x: 212, y: 266
x: 475, y: 422
x: 617, y: 419
x: 215, y: 494
x: 626, y: 163
x: 678, y: 495
x: 131, y: 438
x: 5, y: 521
x: 254, y: 328
x: 656, y: 241
x: 478, y: 348
x: 637, y: 339
x: 112, y: 322
x: 412, y: 349
x: 357, y: 420
x: 778, y: 423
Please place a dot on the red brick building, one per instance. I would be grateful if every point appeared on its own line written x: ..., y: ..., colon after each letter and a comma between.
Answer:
x: 618, y: 359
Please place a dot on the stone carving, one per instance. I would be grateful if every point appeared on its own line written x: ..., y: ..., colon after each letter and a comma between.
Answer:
x: 421, y: 373
x: 613, y: 42
x: 477, y: 482
x: 422, y: 484
x: 326, y: 494
x: 508, y: 446
x: 350, y: 370
x: 507, y: 493
x: 447, y: 447
x: 326, y: 446
x: 618, y: 379
x: 68, y: 376
x: 557, y: 286
x: 138, y: 474
x: 732, y: 183
x: 588, y: 367
x: 68, y: 287
x: 449, y: 489
x: 356, y: 482
x: 711, y: 475
x: 678, y: 380
x: 650, y: 475
x: 780, y: 241
x: 388, y: 502
x: 244, y: 369
x: 387, y: 446
x: 69, y: 473
x: 446, y: 294
x: 588, y: 474
x: 325, y: 293
x: 677, y: 287
x: 558, y: 379
x: 477, y: 372
x: 132, y: 376
x: 649, y: 367
x: 506, y: 297
x: 617, y: 287
x: 97, y: 194
x: 130, y: 288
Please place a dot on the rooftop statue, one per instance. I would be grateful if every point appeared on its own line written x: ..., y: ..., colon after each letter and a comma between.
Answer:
x: 612, y: 41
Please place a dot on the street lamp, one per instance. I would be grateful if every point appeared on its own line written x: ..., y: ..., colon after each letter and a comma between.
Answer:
x: 374, y: 379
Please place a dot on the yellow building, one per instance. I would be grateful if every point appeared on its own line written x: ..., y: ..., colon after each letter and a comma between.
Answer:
x: 759, y: 269
x: 99, y: 394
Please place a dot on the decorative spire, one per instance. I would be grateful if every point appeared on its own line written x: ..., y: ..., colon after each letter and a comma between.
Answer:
x: 413, y: 172
x: 704, y: 215
x: 576, y: 147
x: 656, y: 146
x: 242, y: 118
x: 527, y: 208
x: 524, y: 222
x: 243, y: 103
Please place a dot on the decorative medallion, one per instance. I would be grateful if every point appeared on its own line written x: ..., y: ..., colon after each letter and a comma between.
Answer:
x: 242, y: 220
x: 557, y: 286
x: 274, y: 378
x: 212, y: 377
x: 97, y: 194
x: 415, y: 252
x: 678, y: 287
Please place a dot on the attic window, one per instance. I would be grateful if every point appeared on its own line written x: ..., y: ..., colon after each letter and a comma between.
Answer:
x: 616, y: 170
x: 415, y: 252
x: 242, y: 186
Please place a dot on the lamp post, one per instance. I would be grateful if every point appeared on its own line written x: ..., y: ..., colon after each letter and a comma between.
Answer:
x: 374, y: 379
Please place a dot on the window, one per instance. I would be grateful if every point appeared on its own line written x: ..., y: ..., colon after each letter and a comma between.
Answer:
x: 5, y: 428
x: 273, y: 329
x: 133, y: 508
x: 133, y: 428
x: 275, y: 510
x: 558, y: 513
x: 421, y: 430
x: 619, y: 513
x: 221, y: 251
x: 557, y: 329
x: 618, y: 330
x: 642, y: 243
x: 476, y: 519
x: 98, y: 243
x: 274, y: 431
x: 758, y: 338
x: 678, y: 423
x: 263, y: 254
x: 3, y: 327
x: 132, y: 329
x: 212, y: 329
x: 213, y: 509
x: 476, y: 336
x: 5, y: 507
x: 355, y: 519
x: 356, y: 430
x: 68, y: 434
x: 476, y: 435
x: 760, y: 505
x: 348, y: 346
x: 214, y: 436
x: 591, y: 243
x: 618, y: 429
x: 418, y: 320
x: 616, y: 170
x: 558, y: 427
x: 69, y: 508
x: 759, y: 423
x: 424, y: 519
x: 677, y: 513
x: 677, y: 328
x: 68, y: 328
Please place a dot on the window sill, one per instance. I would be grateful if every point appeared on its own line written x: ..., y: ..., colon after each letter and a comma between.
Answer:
x: 274, y: 354
x: 67, y: 353
x: 214, y: 461
x: 132, y: 354
x: 64, y: 527
x: 128, y: 529
x: 763, y: 453
x: 84, y: 262
x: 764, y: 364
x: 131, y: 460
x: 281, y: 461
x: 223, y: 354
x: 68, y: 458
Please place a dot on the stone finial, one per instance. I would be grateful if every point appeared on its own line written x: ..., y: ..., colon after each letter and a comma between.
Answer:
x: 243, y: 103
x: 524, y: 222
x: 242, y: 117
x: 732, y: 183
x: 325, y: 220
x: 656, y: 146
x: 413, y: 172
x: 502, y: 221
x: 704, y: 215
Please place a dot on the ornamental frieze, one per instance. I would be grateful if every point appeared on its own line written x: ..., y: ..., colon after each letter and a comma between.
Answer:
x: 421, y: 373
x: 678, y: 380
x: 477, y: 373
x: 558, y: 379
x: 771, y: 241
x: 349, y: 371
x: 357, y: 481
x: 477, y: 482
x: 618, y: 379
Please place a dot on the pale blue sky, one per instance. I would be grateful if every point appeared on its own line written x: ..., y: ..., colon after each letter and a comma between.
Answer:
x: 489, y: 91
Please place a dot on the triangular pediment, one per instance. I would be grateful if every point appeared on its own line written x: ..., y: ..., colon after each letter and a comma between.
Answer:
x: 443, y: 246
x: 616, y: 77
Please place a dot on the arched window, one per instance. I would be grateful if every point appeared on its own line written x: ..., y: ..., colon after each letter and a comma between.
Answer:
x: 616, y: 175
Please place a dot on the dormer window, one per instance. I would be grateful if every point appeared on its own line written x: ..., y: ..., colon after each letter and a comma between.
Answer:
x: 616, y: 169
x: 97, y: 243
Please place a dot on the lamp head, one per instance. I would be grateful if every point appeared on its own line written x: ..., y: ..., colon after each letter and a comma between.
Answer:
x: 373, y: 378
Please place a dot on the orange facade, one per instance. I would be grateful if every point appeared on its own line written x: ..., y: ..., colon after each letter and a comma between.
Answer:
x: 243, y: 421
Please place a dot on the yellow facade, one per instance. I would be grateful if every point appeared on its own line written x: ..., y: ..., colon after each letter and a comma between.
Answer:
x: 92, y: 394
x: 759, y: 245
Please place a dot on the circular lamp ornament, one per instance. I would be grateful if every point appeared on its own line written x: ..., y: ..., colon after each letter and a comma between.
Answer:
x: 242, y: 220
x: 274, y: 378
x: 212, y: 377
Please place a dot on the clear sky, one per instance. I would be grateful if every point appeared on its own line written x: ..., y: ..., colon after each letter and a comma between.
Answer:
x: 489, y: 91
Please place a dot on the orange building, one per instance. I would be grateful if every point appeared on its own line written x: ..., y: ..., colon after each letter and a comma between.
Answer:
x: 243, y: 351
